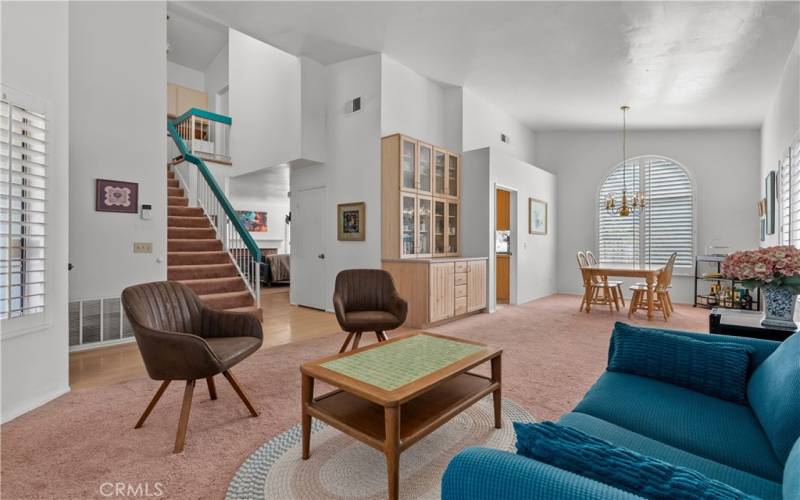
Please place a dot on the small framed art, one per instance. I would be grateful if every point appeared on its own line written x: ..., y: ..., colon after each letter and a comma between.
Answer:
x: 116, y: 196
x: 351, y: 221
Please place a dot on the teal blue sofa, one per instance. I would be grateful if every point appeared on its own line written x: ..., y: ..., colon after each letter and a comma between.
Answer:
x: 721, y: 439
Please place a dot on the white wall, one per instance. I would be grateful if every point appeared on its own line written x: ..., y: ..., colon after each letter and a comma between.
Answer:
x: 184, y: 76
x: 264, y: 100
x: 35, y: 348
x: 215, y: 78
x: 483, y: 123
x: 117, y: 132
x: 722, y: 163
x: 351, y: 172
x: 533, y: 267
x: 414, y: 105
x: 313, y: 99
x: 781, y: 127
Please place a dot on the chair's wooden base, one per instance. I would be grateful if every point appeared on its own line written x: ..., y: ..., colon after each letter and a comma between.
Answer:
x: 186, y: 406
x: 356, y: 337
x: 661, y: 302
x: 600, y: 294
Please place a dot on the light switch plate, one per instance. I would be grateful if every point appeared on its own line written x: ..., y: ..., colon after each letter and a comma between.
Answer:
x: 140, y: 247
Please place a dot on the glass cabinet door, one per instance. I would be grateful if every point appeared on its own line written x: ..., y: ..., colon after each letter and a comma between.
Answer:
x: 408, y: 164
x: 423, y: 226
x: 452, y: 175
x: 425, y: 160
x: 408, y: 225
x: 439, y: 172
x: 439, y: 222
x: 452, y: 228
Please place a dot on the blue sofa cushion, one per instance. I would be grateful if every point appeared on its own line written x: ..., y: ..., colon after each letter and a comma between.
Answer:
x: 486, y: 473
x: 774, y: 393
x: 744, y: 481
x: 578, y: 452
x: 715, y: 368
x: 709, y: 427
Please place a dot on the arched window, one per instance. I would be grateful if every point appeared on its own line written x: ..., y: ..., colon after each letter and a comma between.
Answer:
x: 667, y: 223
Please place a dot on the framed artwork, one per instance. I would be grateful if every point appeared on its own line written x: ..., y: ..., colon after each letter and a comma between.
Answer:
x: 537, y: 216
x: 253, y: 221
x: 116, y: 196
x: 761, y: 206
x: 770, y: 193
x: 351, y: 221
x: 763, y: 229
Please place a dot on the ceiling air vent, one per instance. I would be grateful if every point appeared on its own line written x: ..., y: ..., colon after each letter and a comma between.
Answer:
x: 504, y: 138
x: 353, y: 105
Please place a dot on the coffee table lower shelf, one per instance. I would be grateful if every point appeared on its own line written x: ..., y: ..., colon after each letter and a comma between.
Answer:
x: 420, y: 416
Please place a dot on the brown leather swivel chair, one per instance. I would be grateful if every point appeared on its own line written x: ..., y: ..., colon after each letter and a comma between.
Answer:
x: 365, y: 300
x: 182, y: 339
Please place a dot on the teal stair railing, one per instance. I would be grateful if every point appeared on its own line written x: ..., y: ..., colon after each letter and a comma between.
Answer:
x: 203, y: 191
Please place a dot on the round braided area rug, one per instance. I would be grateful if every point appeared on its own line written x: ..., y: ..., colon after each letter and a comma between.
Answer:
x: 341, y: 467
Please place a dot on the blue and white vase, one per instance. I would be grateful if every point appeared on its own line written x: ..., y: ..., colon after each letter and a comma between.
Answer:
x: 779, y: 308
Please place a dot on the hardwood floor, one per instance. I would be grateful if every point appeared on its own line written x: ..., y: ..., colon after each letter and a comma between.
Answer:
x: 283, y: 323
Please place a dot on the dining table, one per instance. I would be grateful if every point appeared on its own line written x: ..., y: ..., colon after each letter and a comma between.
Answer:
x: 649, y: 272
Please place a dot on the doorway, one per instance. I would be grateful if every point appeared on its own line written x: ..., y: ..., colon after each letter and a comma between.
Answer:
x: 308, y: 249
x: 503, y: 246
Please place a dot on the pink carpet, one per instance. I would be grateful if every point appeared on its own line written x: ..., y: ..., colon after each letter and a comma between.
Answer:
x: 71, y: 446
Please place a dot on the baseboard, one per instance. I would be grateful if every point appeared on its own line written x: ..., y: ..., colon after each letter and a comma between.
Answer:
x: 32, y: 405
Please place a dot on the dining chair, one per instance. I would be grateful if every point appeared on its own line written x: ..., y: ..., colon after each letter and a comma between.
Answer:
x: 617, y: 284
x: 662, y: 300
x: 593, y: 286
x: 182, y: 339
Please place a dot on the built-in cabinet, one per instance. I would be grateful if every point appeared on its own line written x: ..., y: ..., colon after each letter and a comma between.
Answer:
x: 421, y: 204
x: 439, y: 289
x: 421, y: 232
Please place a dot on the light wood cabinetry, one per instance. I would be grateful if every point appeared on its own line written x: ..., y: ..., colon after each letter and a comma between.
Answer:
x: 180, y: 99
x: 420, y: 194
x: 439, y: 289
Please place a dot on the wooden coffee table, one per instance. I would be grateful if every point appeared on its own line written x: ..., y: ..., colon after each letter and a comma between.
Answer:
x: 392, y: 394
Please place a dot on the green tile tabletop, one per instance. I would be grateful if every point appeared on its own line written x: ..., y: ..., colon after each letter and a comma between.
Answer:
x: 399, y: 363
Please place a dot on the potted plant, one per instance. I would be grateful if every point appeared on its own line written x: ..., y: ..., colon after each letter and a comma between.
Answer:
x: 776, y: 270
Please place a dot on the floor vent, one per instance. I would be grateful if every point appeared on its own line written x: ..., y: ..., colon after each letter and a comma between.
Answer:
x: 97, y: 322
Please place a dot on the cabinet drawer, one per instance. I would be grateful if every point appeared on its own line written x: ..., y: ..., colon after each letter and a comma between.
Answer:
x: 461, y: 267
x: 461, y: 306
x: 461, y: 291
x: 461, y: 279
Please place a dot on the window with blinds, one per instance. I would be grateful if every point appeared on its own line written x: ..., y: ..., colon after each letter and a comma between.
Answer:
x: 23, y: 175
x: 665, y: 226
x: 790, y: 196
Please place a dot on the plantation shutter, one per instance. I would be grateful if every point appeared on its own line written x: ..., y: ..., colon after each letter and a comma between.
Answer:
x: 618, y: 237
x: 669, y: 221
x: 23, y: 153
x: 788, y: 193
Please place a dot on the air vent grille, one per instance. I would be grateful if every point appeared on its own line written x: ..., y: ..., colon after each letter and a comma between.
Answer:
x: 97, y: 322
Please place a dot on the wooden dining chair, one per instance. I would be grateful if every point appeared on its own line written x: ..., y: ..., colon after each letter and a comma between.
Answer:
x: 662, y: 300
x: 593, y: 287
x: 616, y: 284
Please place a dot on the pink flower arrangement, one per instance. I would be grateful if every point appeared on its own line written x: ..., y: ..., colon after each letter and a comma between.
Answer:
x: 777, y: 266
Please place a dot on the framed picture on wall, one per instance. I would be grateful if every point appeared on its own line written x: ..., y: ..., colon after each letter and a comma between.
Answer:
x: 763, y: 229
x: 351, y: 221
x: 537, y: 216
x: 116, y: 196
x: 254, y: 221
x: 770, y: 193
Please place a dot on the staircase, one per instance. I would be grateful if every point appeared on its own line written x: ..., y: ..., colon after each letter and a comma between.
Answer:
x: 196, y: 258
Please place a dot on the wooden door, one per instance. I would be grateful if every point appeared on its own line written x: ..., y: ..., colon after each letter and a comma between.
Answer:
x: 424, y: 177
x: 408, y: 225
x: 453, y: 175
x: 442, y: 291
x: 503, y: 216
x: 502, y: 278
x: 424, y: 226
x: 439, y: 172
x: 408, y: 164
x: 476, y: 285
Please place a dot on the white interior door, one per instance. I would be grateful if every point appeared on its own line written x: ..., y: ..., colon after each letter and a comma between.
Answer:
x: 308, y: 249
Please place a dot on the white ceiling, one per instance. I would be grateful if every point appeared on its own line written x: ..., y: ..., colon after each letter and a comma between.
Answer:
x: 270, y: 185
x: 193, y: 40
x: 557, y: 65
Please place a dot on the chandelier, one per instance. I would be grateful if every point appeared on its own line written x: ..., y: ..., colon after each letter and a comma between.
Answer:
x: 633, y: 203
